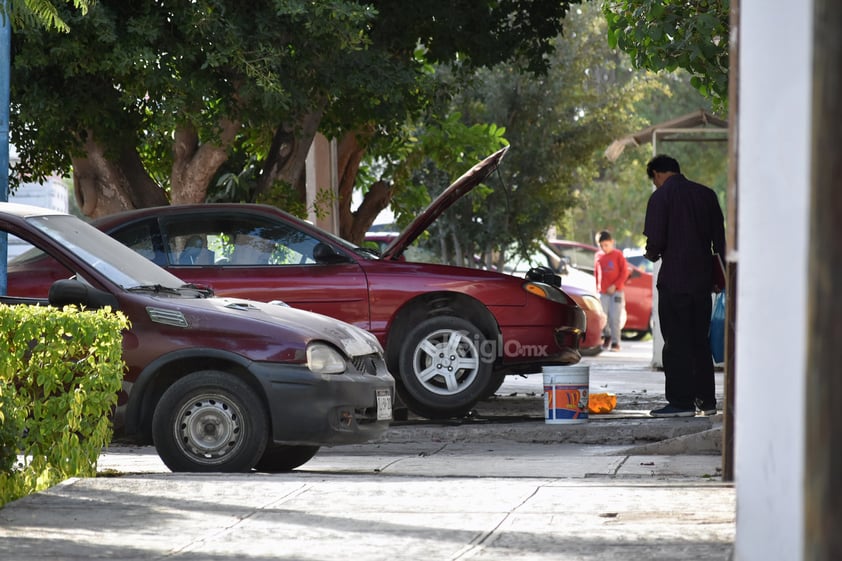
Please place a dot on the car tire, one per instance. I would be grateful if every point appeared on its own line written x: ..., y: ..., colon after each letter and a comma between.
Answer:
x: 497, y: 379
x: 640, y: 334
x: 278, y: 459
x: 442, y: 373
x: 634, y: 335
x: 210, y: 421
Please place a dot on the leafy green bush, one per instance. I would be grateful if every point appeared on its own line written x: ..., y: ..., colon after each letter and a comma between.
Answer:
x: 60, y: 372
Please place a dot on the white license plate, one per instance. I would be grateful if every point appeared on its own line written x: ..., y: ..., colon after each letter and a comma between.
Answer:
x: 384, y: 405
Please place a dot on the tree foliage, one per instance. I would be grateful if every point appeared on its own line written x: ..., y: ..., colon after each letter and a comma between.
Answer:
x: 616, y: 199
x: 671, y: 34
x: 41, y: 13
x: 144, y: 100
x: 558, y: 125
x: 447, y: 42
x: 150, y: 101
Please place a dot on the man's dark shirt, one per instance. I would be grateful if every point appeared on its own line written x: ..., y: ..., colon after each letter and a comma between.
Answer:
x: 684, y: 226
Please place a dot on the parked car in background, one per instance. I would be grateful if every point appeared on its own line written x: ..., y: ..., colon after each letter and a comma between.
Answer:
x: 380, y: 240
x: 639, y: 285
x: 639, y: 288
x: 636, y: 258
x: 217, y: 384
x: 579, y: 255
x: 450, y: 334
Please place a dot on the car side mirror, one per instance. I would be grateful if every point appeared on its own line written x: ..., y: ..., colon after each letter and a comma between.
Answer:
x: 326, y: 255
x: 66, y: 292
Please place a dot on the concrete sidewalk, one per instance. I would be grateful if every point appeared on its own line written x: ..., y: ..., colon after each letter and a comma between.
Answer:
x: 372, y: 517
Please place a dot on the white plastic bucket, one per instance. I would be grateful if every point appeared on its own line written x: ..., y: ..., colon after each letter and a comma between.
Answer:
x: 566, y: 394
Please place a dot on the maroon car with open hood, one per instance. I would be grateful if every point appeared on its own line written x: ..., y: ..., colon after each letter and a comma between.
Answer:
x: 451, y: 334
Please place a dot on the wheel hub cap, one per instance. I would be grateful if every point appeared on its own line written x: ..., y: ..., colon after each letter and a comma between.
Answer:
x: 210, y: 427
x: 446, y: 362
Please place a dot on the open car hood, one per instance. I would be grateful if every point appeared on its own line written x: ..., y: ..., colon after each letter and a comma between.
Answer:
x: 454, y: 192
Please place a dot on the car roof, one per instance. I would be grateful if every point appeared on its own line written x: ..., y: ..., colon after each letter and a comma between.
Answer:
x: 24, y: 211
x: 570, y: 243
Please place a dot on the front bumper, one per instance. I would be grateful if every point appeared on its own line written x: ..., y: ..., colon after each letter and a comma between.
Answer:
x: 323, y: 410
x: 527, y: 347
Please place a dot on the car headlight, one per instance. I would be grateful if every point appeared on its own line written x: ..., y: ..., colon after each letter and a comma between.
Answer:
x: 324, y: 359
x: 548, y: 292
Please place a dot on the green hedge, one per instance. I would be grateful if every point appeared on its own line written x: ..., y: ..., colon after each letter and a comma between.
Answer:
x: 60, y: 372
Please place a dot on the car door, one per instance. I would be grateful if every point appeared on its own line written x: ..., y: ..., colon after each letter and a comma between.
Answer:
x: 250, y: 255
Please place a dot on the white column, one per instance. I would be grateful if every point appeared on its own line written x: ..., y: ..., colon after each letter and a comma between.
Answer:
x: 774, y: 190
x: 323, y: 178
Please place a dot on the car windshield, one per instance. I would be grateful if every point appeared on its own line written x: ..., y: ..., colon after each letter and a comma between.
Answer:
x: 361, y: 251
x: 117, y: 262
x: 364, y: 252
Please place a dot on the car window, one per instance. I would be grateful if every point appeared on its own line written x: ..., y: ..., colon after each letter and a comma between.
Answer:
x: 518, y: 265
x: 238, y: 240
x: 31, y: 272
x: 144, y: 239
x: 109, y: 257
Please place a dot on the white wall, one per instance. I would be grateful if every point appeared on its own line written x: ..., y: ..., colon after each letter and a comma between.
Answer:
x: 52, y: 194
x: 774, y: 120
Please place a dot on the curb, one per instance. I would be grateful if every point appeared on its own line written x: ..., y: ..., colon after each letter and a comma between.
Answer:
x: 708, y: 442
x: 633, y: 431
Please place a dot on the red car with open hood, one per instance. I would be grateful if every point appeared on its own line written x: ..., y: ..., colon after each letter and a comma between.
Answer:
x: 450, y: 334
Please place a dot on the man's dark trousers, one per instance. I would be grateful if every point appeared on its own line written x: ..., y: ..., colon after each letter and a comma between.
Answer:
x: 688, y: 365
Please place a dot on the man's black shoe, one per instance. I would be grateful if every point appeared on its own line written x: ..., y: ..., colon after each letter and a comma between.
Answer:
x: 706, y: 409
x: 673, y: 411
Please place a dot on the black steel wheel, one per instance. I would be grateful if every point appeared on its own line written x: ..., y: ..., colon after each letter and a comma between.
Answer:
x: 210, y: 421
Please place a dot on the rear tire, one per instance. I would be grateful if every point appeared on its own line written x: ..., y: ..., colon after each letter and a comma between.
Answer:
x: 441, y: 370
x: 210, y: 421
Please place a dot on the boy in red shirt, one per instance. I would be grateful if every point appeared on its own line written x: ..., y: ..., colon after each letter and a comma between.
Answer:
x: 611, y: 272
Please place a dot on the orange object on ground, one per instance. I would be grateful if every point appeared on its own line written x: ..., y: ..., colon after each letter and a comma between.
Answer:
x: 601, y: 403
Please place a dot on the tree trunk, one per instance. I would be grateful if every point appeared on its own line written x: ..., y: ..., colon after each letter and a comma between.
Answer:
x: 103, y: 186
x: 376, y: 199
x: 195, y: 164
x: 354, y: 224
x: 458, y: 253
x: 349, y: 155
x: 288, y: 154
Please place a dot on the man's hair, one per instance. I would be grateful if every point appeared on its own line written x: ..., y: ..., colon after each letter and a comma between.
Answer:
x: 603, y: 236
x: 662, y: 163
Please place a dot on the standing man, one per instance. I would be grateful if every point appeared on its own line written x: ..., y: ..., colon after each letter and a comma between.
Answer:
x: 611, y: 272
x: 684, y: 228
